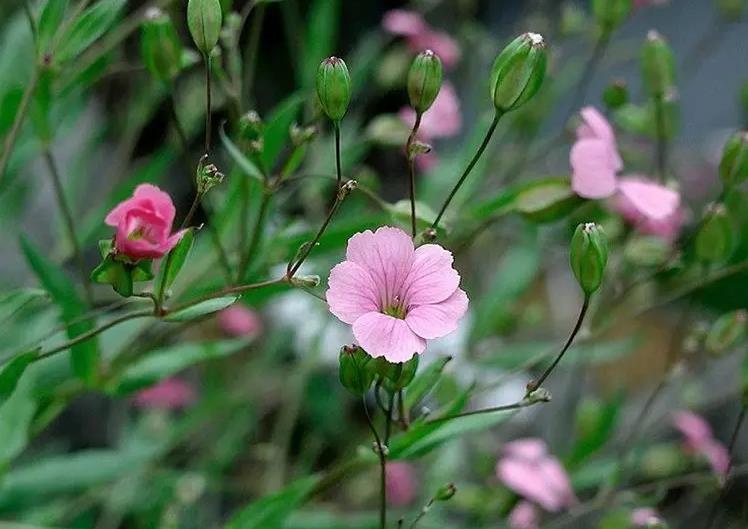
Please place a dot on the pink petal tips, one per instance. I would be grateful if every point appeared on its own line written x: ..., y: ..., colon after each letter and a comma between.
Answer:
x: 594, y: 158
x: 238, y: 320
x: 420, y: 36
x: 169, y: 394
x: 698, y: 439
x: 395, y: 296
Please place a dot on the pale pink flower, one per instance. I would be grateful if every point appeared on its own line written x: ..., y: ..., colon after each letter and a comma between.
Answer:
x: 529, y: 470
x: 651, y: 207
x: 644, y: 517
x: 395, y: 296
x: 442, y: 120
x: 170, y: 394
x: 594, y: 157
x: 239, y: 320
x: 698, y: 439
x: 143, y: 224
x: 401, y: 482
x: 524, y: 516
x: 420, y: 36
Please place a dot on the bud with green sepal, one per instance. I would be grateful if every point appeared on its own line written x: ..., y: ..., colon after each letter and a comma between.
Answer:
x: 119, y: 271
x: 616, y: 94
x: 726, y: 332
x: 733, y: 167
x: 396, y: 376
x: 610, y: 14
x: 446, y: 492
x: 207, y: 176
x: 589, y: 256
x: 204, y: 19
x: 658, y: 65
x: 355, y: 370
x: 160, y: 46
x: 715, y: 239
x: 518, y: 72
x: 334, y: 88
x: 424, y: 80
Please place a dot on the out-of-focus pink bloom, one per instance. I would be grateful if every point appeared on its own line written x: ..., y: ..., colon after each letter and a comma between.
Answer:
x: 169, y: 394
x: 644, y: 517
x: 143, y: 224
x: 401, y: 482
x: 396, y: 296
x: 651, y: 207
x: 524, y: 516
x: 529, y: 470
x: 594, y: 157
x: 420, y: 36
x: 698, y: 439
x: 239, y: 320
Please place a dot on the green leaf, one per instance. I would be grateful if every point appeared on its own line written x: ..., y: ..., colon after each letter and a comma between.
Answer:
x: 14, y: 301
x: 201, y: 309
x: 163, y: 363
x: 425, y: 216
x: 9, y: 103
x: 595, y: 424
x: 322, y: 32
x: 84, y: 356
x: 174, y: 262
x: 277, y: 126
x: 11, y: 373
x: 547, y: 200
x: 244, y: 163
x: 91, y: 25
x: 50, y: 21
x: 16, y: 414
x: 269, y: 512
x: 425, y: 381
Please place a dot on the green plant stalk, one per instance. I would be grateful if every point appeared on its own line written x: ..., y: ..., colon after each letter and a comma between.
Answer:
x: 208, y: 102
x: 382, y: 468
x: 338, y: 168
x: 250, y: 57
x: 412, y: 172
x: 23, y: 108
x: 661, y: 150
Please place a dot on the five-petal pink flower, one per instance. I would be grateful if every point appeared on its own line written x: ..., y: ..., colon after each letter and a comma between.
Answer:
x: 698, y: 439
x: 401, y: 482
x: 169, y: 394
x: 420, y: 36
x: 143, y: 223
x: 529, y: 470
x: 652, y: 208
x: 395, y: 296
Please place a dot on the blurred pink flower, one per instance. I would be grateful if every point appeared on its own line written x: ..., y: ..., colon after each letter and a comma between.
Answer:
x: 402, y: 483
x: 143, y: 224
x: 395, y: 296
x: 594, y: 157
x: 529, y: 470
x: 420, y: 36
x: 644, y: 517
x: 651, y: 207
x: 524, y: 516
x: 169, y: 394
x: 698, y: 439
x: 239, y: 320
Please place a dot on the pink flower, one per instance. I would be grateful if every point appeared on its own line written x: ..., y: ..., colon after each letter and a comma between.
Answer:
x: 395, y: 296
x: 653, y: 208
x: 143, y: 224
x: 594, y: 158
x: 420, y: 36
x: 169, y: 394
x: 402, y: 484
x: 698, y: 439
x: 524, y: 516
x: 239, y: 320
x: 529, y: 470
x: 644, y: 517
x: 442, y: 120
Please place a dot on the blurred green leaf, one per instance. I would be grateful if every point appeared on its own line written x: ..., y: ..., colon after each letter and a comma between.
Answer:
x: 277, y: 129
x: 425, y: 381
x: 11, y: 373
x: 50, y: 20
x: 84, y: 356
x: 9, y: 104
x: 14, y: 301
x: 595, y: 423
x: 269, y: 512
x: 15, y: 420
x: 425, y: 216
x: 322, y: 32
x: 91, y: 25
x: 244, y: 163
x: 547, y: 200
x: 208, y: 306
x: 176, y: 259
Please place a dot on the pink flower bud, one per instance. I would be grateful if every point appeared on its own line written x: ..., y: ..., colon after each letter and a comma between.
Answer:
x: 238, y: 320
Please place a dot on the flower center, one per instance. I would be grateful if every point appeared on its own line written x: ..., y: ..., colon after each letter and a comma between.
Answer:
x: 396, y: 309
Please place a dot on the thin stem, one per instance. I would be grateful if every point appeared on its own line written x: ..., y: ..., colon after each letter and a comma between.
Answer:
x: 69, y: 222
x: 254, y: 242
x: 424, y: 511
x: 580, y: 90
x: 250, y: 59
x: 382, y: 468
x: 535, y: 384
x: 338, y: 170
x: 208, y: 101
x: 412, y: 171
x: 661, y: 149
x: 181, y: 134
x: 23, y: 108
x: 388, y: 419
x: 468, y: 169
x: 193, y: 209
x: 524, y: 403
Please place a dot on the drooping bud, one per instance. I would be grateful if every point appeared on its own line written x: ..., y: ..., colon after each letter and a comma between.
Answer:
x: 424, y: 80
x: 726, y: 332
x: 334, y: 87
x: 610, y: 14
x: 658, y: 66
x: 715, y: 240
x: 518, y: 72
x: 160, y: 47
x: 733, y: 167
x: 446, y: 492
x: 204, y: 19
x: 353, y: 372
x: 616, y: 95
x: 589, y: 256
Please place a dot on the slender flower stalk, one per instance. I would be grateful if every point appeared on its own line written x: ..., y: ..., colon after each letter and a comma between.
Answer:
x: 412, y: 171
x: 208, y: 102
x: 380, y: 449
x: 661, y: 150
x: 338, y: 165
x: 23, y: 108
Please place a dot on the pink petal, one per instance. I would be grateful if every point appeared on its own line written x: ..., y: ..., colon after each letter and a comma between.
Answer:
x: 161, y: 201
x: 527, y: 480
x: 644, y: 516
x: 382, y: 335
x: 402, y: 483
x: 173, y: 240
x: 595, y: 126
x: 531, y: 449
x: 593, y: 169
x: 239, y: 320
x: 523, y: 516
x: 171, y: 393
x: 442, y: 120
x: 719, y: 458
x: 442, y: 44
x: 439, y: 319
x: 693, y: 427
x: 351, y: 292
x: 557, y: 480
x: 403, y: 22
x: 650, y: 199
x: 431, y: 278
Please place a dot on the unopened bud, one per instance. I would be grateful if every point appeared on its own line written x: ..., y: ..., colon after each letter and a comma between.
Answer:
x: 418, y: 147
x: 207, y: 176
x: 658, y: 66
x: 308, y: 281
x: 204, y: 19
x: 589, y: 256
x: 446, y: 492
x: 334, y: 87
x: 733, y: 167
x: 518, y: 72
x: 160, y: 47
x: 397, y: 376
x: 715, y: 240
x: 726, y: 332
x: 611, y: 13
x: 616, y: 95
x: 353, y: 372
x: 424, y: 80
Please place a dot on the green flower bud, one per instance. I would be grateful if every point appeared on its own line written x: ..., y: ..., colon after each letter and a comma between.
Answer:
x: 733, y: 167
x: 611, y: 13
x: 334, y: 87
x: 658, y: 66
x: 589, y: 256
x: 726, y: 332
x: 251, y: 132
x: 207, y: 176
x: 424, y: 80
x: 446, y: 492
x: 714, y: 241
x: 397, y: 376
x: 616, y: 95
x: 354, y: 371
x: 160, y: 47
x: 518, y: 72
x: 204, y: 19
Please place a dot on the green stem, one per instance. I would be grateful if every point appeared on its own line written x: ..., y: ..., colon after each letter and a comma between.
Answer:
x: 338, y: 170
x: 23, y: 108
x: 257, y: 232
x: 412, y: 171
x: 524, y: 403
x: 661, y: 149
x: 208, y: 101
x: 382, y: 468
x: 250, y: 59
